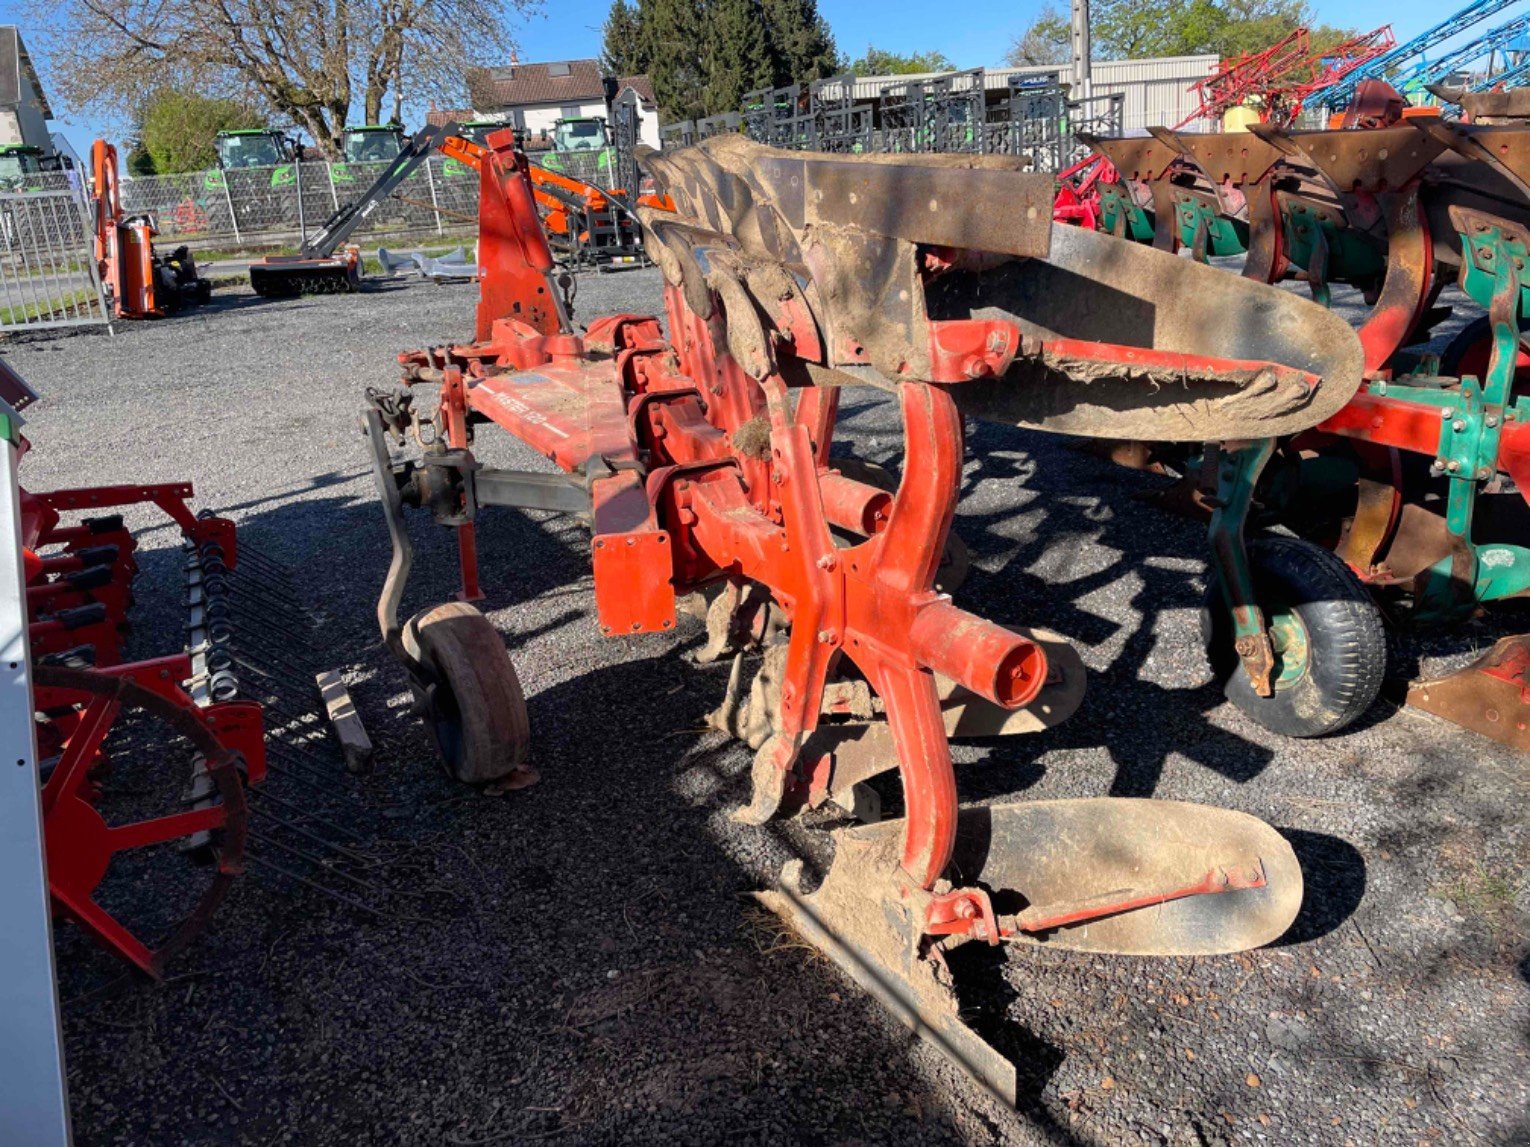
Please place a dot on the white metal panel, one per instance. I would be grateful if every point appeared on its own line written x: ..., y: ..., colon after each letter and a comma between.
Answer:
x: 34, y: 1103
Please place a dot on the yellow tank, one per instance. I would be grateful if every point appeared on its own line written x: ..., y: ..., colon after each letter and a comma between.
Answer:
x: 1238, y: 119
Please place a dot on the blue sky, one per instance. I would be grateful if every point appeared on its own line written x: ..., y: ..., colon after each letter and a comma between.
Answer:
x: 978, y: 33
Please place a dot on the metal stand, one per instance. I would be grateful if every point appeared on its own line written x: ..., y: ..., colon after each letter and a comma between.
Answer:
x: 34, y: 1101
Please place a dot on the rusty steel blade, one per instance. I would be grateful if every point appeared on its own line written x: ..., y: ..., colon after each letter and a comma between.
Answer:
x: 1095, y: 287
x: 1490, y: 696
x: 869, y: 920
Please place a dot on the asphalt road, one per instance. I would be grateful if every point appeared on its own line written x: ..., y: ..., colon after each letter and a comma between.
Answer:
x: 579, y: 962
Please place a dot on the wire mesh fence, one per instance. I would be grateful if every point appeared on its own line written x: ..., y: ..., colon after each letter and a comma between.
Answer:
x: 259, y: 206
x: 263, y: 206
x: 956, y: 113
x: 48, y: 275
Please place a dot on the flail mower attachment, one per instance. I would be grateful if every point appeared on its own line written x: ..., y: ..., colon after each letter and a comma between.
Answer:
x: 702, y: 462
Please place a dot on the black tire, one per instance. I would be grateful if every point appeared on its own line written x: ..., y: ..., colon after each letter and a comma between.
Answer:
x: 477, y: 712
x: 1310, y: 594
x: 955, y: 557
x: 1470, y: 342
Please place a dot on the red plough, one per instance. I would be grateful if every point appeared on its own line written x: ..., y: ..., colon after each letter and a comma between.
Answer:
x: 701, y: 459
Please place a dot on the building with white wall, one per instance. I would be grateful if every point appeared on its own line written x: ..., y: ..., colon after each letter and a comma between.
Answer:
x: 535, y: 96
x: 1157, y: 91
x: 24, y: 110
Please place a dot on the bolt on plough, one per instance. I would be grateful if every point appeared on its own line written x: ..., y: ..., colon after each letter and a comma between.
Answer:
x: 701, y: 460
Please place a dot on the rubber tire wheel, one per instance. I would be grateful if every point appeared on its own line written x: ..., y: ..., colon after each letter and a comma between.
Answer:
x: 1346, y: 644
x: 477, y: 712
x: 955, y: 558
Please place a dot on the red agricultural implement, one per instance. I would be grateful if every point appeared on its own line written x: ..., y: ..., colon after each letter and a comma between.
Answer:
x: 701, y: 460
x: 139, y: 282
x: 140, y: 758
x: 1420, y: 484
x: 1274, y: 85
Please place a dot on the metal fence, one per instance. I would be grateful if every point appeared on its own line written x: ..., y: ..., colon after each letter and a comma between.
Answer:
x: 259, y: 206
x: 263, y: 205
x: 48, y: 275
x: 1033, y: 116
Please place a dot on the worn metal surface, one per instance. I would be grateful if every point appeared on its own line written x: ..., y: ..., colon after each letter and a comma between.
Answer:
x: 1096, y: 288
x: 1490, y: 696
x: 1099, y: 337
x: 1046, y: 853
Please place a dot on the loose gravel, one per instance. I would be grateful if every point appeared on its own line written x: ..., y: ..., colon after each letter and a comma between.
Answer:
x: 580, y: 963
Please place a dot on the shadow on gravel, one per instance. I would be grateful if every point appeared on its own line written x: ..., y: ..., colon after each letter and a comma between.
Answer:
x: 606, y: 979
x: 1333, y: 878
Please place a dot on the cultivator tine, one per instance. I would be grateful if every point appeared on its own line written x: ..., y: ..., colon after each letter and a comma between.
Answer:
x: 251, y: 636
x: 1491, y: 696
x: 309, y: 882
x: 266, y: 796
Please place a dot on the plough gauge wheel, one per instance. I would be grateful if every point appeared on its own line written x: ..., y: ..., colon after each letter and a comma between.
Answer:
x: 1330, y: 648
x: 475, y: 708
x: 81, y: 844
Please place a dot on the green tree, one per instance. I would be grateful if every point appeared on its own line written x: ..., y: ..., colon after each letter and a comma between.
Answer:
x: 140, y: 162
x: 669, y: 39
x: 876, y: 62
x: 307, y: 62
x: 177, y: 130
x: 1048, y: 40
x: 622, y: 51
x: 1136, y: 29
x: 737, y: 58
x: 800, y: 41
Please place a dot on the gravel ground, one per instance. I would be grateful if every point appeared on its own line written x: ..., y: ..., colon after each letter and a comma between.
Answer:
x: 578, y: 962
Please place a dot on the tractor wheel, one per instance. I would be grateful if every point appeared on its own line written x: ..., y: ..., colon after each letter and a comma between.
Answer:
x: 1330, y: 650
x: 476, y: 711
x: 955, y: 559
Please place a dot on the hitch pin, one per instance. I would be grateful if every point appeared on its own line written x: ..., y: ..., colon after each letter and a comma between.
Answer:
x: 1045, y: 917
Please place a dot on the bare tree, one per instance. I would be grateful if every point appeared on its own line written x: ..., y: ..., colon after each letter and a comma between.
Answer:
x: 307, y: 60
x: 1045, y: 41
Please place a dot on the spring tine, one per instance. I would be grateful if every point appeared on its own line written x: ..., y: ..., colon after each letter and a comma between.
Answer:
x: 331, y: 790
x: 317, y: 887
x: 303, y: 812
x: 264, y: 623
x: 326, y: 774
x: 306, y: 835
x: 309, y: 755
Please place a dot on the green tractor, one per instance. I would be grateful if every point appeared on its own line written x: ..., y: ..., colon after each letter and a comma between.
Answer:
x: 367, y: 143
x: 478, y: 131
x: 255, y: 147
x: 20, y: 167
x: 582, y: 148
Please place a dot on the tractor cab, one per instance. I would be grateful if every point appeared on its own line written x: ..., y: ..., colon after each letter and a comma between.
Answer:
x: 373, y: 143
x: 252, y: 147
x: 479, y: 130
x: 18, y: 163
x: 582, y: 133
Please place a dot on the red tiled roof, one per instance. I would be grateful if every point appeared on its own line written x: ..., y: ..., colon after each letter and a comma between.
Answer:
x: 438, y: 118
x: 523, y: 84
x: 640, y: 84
